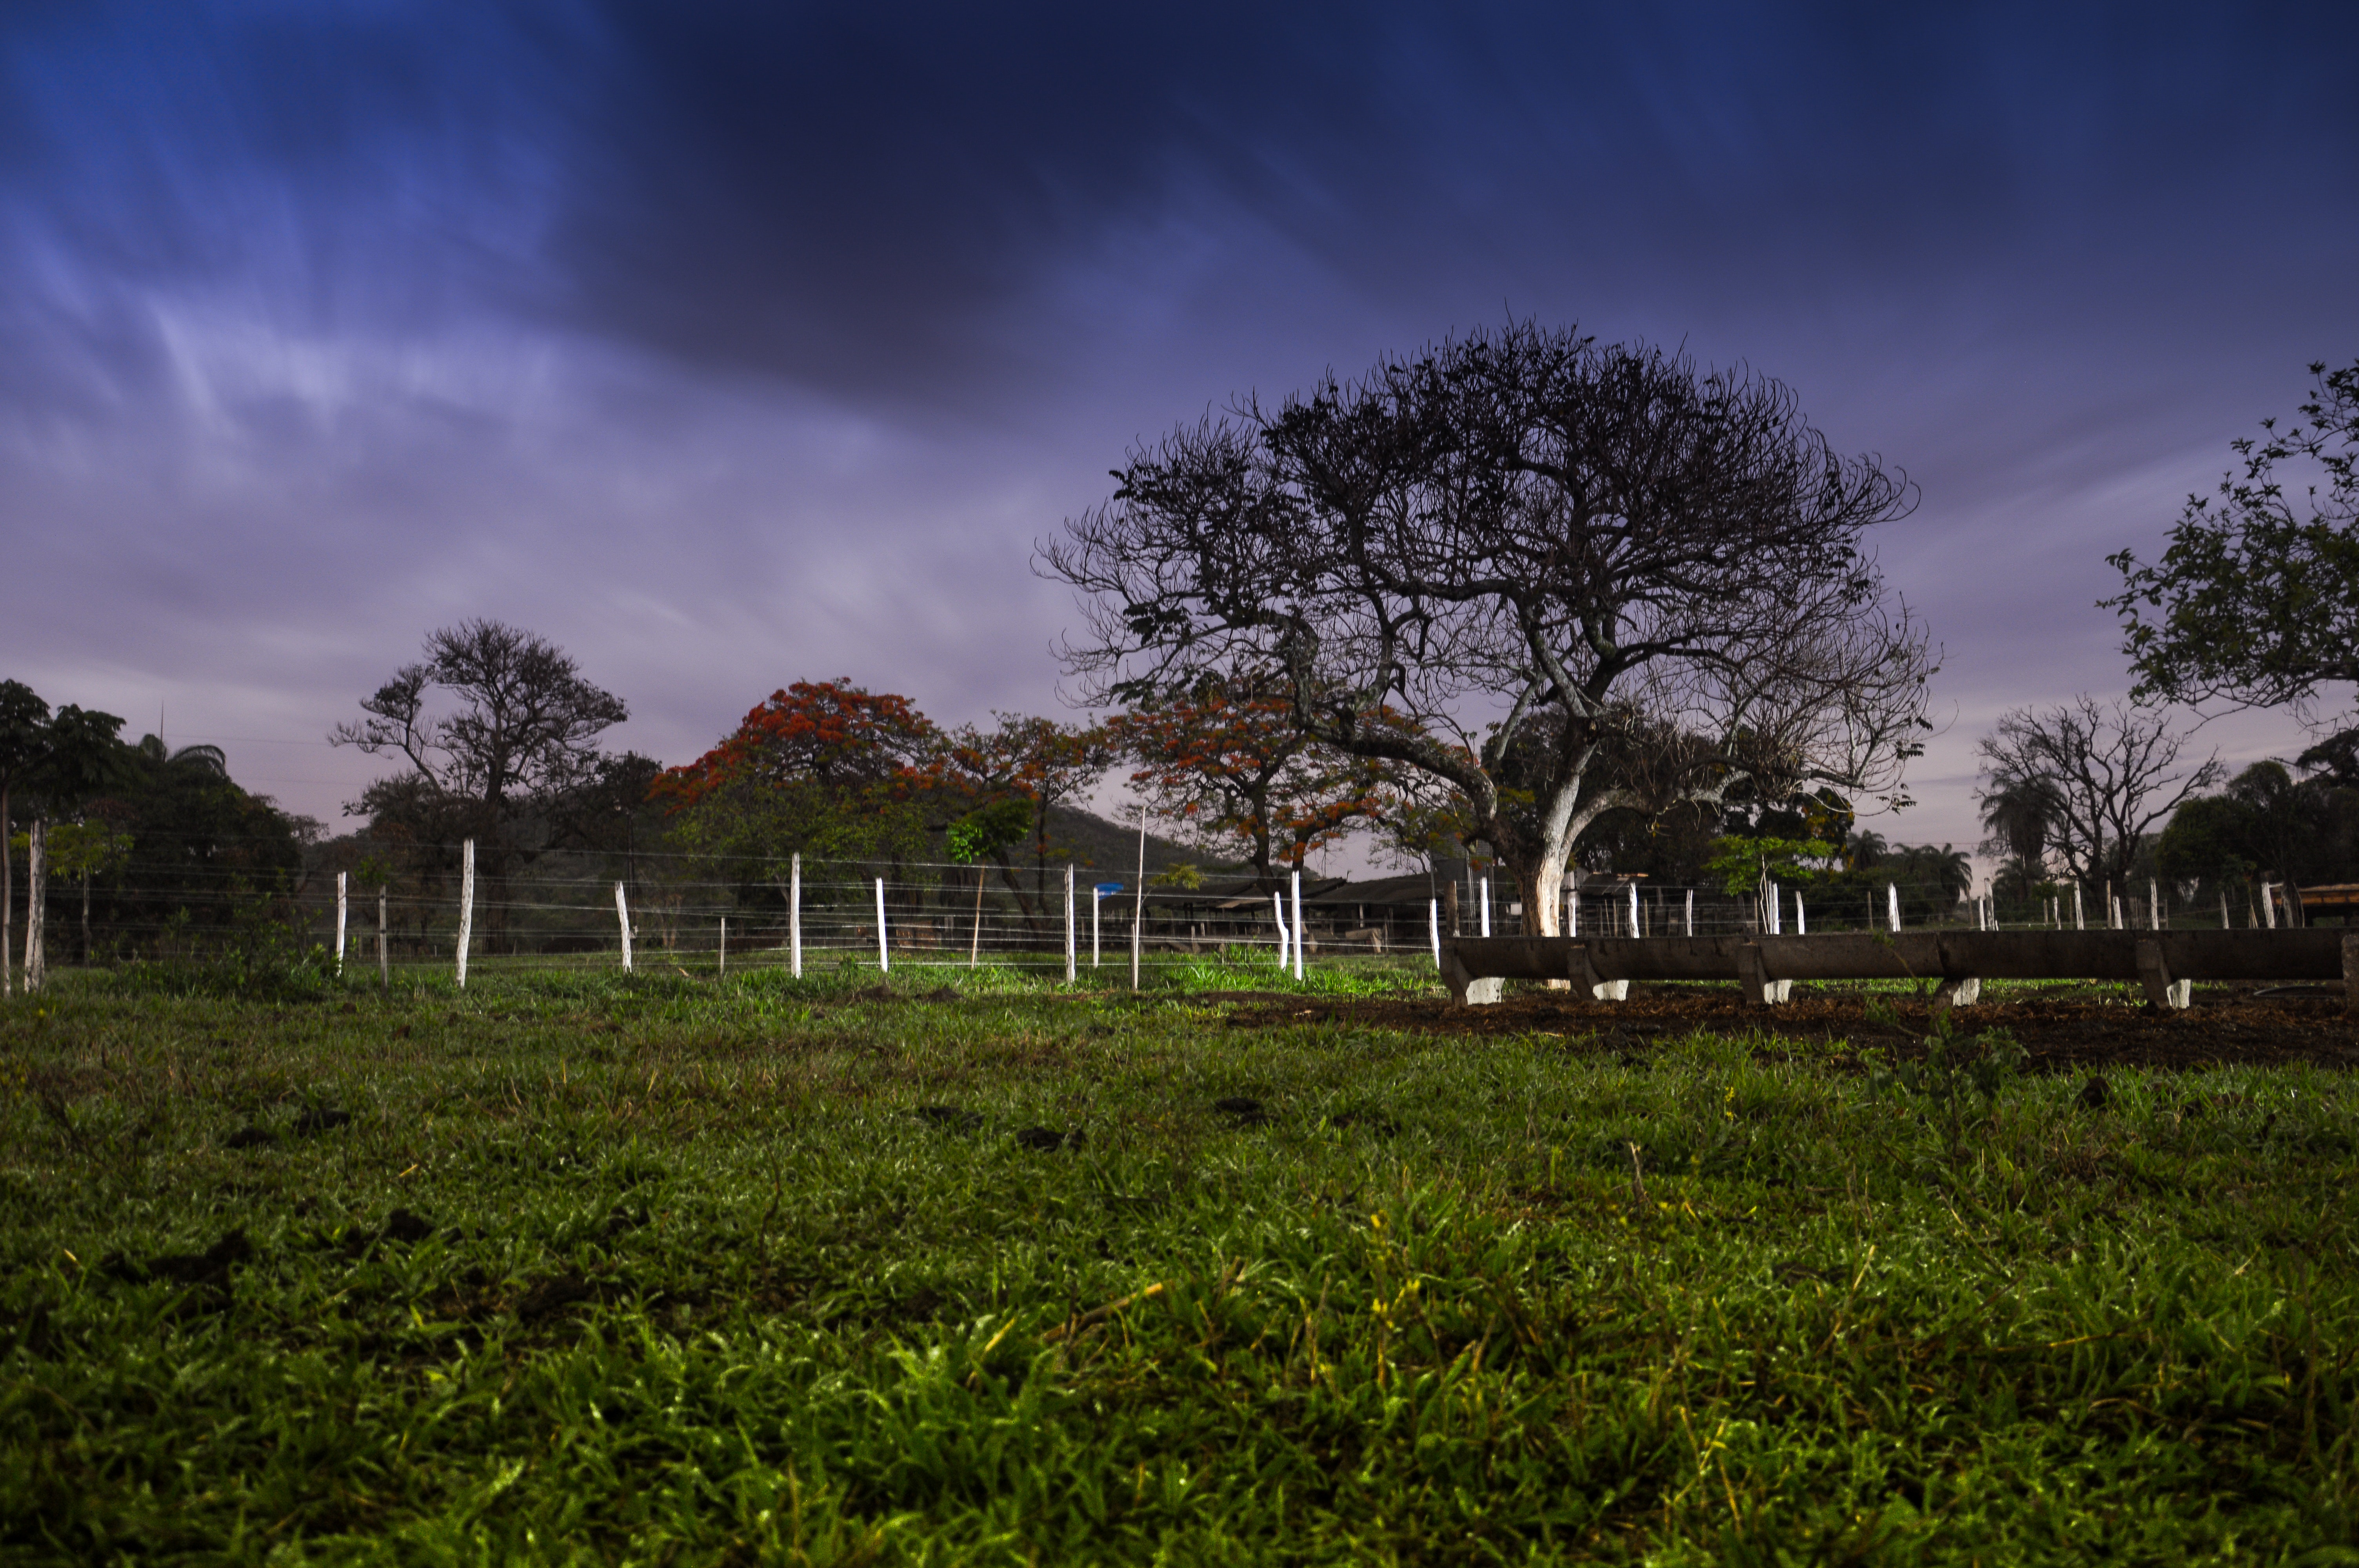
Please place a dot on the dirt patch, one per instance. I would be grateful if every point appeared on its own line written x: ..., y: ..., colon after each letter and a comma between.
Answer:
x: 2071, y: 1030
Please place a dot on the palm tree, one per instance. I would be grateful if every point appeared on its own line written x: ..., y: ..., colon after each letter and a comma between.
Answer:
x: 2020, y: 814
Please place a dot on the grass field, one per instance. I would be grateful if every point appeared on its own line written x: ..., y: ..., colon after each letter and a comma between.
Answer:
x: 670, y: 1270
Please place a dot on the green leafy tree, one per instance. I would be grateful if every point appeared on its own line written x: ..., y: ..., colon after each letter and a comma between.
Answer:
x: 2255, y: 599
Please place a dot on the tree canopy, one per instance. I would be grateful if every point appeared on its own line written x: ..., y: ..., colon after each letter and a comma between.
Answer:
x: 1534, y: 553
x: 2255, y: 599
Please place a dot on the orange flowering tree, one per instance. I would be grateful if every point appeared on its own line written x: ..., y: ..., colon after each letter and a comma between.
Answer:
x: 1033, y: 764
x: 1244, y: 780
x: 826, y: 768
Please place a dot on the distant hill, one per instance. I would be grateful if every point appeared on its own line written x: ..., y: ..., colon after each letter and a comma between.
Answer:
x: 1111, y: 849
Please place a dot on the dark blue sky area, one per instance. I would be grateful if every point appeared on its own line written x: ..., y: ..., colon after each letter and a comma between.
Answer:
x: 730, y: 345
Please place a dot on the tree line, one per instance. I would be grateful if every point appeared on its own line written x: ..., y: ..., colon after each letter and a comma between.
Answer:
x: 1518, y: 599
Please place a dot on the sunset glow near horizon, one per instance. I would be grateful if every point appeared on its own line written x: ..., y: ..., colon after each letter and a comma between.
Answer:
x: 728, y: 346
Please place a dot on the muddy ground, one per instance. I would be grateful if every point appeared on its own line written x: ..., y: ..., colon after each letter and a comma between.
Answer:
x: 2062, y: 1029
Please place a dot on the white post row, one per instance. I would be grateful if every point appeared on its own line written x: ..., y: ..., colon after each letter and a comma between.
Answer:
x: 794, y: 916
x: 1297, y: 920
x: 466, y: 905
x: 1072, y: 913
x: 340, y: 925
x: 623, y: 919
x: 884, y: 957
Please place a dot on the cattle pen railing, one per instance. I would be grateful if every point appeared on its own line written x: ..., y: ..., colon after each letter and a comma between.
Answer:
x: 2165, y: 962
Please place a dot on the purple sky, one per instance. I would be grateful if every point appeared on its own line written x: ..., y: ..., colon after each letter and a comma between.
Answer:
x: 733, y: 345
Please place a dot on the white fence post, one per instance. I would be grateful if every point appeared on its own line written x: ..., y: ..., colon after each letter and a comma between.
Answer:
x: 1277, y: 901
x: 623, y: 919
x: 1777, y: 910
x: 884, y: 957
x: 2079, y: 922
x: 1297, y: 925
x: 466, y: 905
x: 2154, y: 903
x: 1634, y: 910
x: 1097, y: 897
x: 1691, y: 911
x: 2268, y: 906
x: 1484, y: 904
x: 1433, y: 925
x: 721, y: 958
x: 1801, y: 916
x: 1892, y: 904
x: 1138, y: 905
x: 2224, y: 909
x: 1573, y: 912
x: 340, y: 924
x: 795, y: 915
x: 1072, y: 964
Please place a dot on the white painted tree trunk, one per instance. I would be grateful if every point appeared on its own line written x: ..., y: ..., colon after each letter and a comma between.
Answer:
x: 36, y: 900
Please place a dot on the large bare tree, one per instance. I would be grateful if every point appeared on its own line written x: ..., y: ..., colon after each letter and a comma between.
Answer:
x: 2103, y: 775
x: 515, y: 735
x: 1517, y: 561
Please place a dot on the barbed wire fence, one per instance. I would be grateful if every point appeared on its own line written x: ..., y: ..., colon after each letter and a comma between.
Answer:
x: 717, y: 915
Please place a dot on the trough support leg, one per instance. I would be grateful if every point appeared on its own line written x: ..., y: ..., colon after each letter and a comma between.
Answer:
x: 1753, y: 978
x: 1963, y: 990
x: 2165, y: 993
x: 2350, y: 971
x: 1466, y: 989
x: 1581, y: 972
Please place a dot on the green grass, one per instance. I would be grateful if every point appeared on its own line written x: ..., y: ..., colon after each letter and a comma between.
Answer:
x: 700, y: 1286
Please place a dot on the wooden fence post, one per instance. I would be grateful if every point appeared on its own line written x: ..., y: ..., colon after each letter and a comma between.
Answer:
x: 466, y: 905
x: 1298, y: 917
